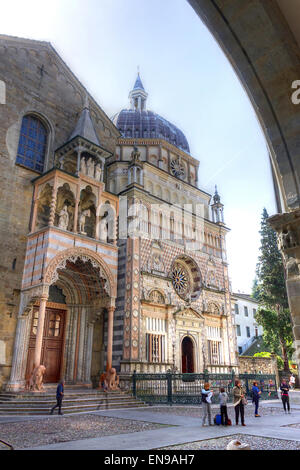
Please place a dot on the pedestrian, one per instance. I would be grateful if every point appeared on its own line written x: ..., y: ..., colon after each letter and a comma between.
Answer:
x: 255, y: 398
x: 284, y: 387
x: 271, y: 387
x: 239, y: 402
x: 59, y: 397
x: 292, y: 382
x: 223, y: 406
x: 206, y: 400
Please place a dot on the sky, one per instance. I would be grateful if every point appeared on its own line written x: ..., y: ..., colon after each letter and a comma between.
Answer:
x: 189, y: 82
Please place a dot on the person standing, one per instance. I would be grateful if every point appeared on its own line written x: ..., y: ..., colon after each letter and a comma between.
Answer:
x: 223, y: 406
x: 255, y: 398
x: 271, y: 387
x: 239, y: 394
x: 292, y: 382
x: 206, y: 400
x: 59, y: 397
x: 284, y: 387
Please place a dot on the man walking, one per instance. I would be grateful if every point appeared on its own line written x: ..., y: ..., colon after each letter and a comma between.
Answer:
x: 59, y: 397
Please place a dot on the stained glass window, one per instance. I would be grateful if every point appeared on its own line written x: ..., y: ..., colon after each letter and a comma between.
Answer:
x: 32, y: 144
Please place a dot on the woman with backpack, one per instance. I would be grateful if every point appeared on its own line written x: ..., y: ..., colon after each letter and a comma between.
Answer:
x: 206, y: 400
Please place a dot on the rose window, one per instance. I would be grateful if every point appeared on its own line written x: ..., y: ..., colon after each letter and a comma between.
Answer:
x: 181, y: 280
x: 186, y: 278
x: 177, y: 169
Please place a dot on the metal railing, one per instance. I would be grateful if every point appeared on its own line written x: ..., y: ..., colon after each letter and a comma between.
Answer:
x: 177, y: 388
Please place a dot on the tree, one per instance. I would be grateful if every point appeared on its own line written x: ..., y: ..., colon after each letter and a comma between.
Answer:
x: 269, y: 289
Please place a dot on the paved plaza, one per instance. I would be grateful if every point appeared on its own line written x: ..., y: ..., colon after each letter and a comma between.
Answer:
x: 150, y: 428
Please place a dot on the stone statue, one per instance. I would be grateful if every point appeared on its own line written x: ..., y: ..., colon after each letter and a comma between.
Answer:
x: 103, y: 229
x: 36, y: 379
x: 83, y: 166
x: 112, y: 379
x: 98, y: 172
x: 63, y: 219
x: 90, y: 167
x: 82, y: 217
x: 135, y: 154
x: 292, y: 238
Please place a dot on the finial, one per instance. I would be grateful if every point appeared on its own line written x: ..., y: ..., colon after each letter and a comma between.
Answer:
x: 217, y: 198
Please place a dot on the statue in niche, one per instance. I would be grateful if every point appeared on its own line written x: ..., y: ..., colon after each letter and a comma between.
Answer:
x: 63, y: 219
x: 90, y: 167
x: 83, y: 215
x: 135, y: 154
x: 292, y: 237
x: 103, y: 229
x: 287, y: 239
x: 98, y: 172
x: 83, y: 166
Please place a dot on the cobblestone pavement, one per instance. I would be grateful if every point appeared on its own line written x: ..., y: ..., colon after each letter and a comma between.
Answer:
x: 255, y: 442
x: 197, y: 411
x: 56, y: 429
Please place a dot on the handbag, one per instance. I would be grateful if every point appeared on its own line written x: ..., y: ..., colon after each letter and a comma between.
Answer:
x: 244, y: 401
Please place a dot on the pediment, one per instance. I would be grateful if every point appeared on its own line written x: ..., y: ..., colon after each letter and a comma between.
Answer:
x: 188, y: 313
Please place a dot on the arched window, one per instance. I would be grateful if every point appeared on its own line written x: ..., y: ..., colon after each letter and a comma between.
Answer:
x: 32, y: 143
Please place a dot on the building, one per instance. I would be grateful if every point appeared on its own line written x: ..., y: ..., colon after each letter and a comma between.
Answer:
x: 111, y: 253
x: 244, y: 308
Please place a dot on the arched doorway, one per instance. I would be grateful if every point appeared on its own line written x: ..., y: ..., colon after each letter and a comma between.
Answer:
x: 78, y: 314
x: 187, y: 355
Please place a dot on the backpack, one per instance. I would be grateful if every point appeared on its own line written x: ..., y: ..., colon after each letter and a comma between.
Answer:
x: 218, y: 420
x: 228, y: 422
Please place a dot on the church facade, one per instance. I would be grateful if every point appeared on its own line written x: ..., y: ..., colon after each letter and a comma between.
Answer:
x: 111, y: 256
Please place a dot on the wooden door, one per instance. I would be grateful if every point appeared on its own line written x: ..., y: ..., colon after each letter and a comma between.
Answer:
x: 52, y: 346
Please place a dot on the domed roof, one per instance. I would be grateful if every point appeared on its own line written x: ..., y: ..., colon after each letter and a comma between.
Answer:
x: 133, y: 123
x: 138, y: 122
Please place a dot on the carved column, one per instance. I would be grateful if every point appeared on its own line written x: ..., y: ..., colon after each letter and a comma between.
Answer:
x: 110, y: 330
x: 287, y: 226
x: 53, y: 204
x: 76, y: 209
x: 40, y: 330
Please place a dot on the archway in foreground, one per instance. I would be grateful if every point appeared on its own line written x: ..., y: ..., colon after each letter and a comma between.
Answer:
x: 262, y: 42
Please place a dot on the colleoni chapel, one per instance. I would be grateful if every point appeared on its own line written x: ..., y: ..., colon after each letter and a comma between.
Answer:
x: 111, y: 254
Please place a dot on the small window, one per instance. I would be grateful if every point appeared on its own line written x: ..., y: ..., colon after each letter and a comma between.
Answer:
x: 254, y: 312
x: 236, y: 309
x: 256, y: 331
x: 246, y: 311
x: 248, y: 331
x: 240, y: 349
x: 32, y: 144
x: 238, y: 330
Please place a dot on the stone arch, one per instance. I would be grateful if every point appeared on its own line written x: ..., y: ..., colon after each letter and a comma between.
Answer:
x: 71, y: 254
x: 185, y: 267
x: 248, y: 46
x: 157, y: 296
x: 188, y: 348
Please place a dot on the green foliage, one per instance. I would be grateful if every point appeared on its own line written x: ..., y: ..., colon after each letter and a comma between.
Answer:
x: 280, y: 363
x: 269, y: 289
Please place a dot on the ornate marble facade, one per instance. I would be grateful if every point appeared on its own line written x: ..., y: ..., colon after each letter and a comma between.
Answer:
x: 117, y: 257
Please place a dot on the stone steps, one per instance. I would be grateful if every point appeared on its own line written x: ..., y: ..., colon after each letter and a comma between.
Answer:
x: 25, y: 403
